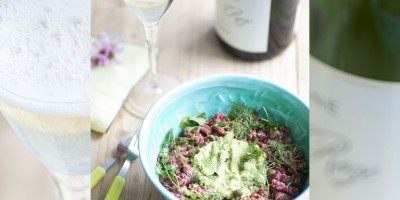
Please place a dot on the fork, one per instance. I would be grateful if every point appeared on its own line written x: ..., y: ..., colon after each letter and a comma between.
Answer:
x: 119, y: 181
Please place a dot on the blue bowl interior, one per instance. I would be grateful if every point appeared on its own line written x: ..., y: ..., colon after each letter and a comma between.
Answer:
x: 212, y: 95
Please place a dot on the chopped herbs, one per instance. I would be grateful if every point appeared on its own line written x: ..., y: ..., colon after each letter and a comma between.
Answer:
x: 246, y: 119
x: 285, y: 154
x: 243, y: 119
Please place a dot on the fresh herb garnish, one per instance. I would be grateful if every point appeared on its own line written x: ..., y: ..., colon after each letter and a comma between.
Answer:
x: 163, y: 167
x: 193, y: 123
x: 241, y: 111
x: 183, y: 141
x: 243, y: 119
x: 253, y: 152
x: 271, y: 127
x: 222, y: 124
x: 285, y: 154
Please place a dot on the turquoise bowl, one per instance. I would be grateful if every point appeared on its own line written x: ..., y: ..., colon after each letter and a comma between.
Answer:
x: 211, y: 95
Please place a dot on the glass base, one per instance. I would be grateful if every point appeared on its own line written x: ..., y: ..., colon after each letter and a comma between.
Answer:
x: 72, y: 187
x: 146, y: 93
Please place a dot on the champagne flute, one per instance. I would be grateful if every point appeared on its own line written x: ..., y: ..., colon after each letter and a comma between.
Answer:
x: 58, y: 135
x: 44, y: 86
x: 152, y: 86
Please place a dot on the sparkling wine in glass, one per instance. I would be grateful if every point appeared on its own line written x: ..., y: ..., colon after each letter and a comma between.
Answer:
x: 152, y: 86
x: 44, y: 86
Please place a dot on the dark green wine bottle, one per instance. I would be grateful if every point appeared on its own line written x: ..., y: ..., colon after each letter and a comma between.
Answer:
x: 361, y: 37
x: 355, y: 99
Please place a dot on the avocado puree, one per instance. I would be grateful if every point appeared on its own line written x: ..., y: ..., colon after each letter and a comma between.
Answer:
x: 219, y: 166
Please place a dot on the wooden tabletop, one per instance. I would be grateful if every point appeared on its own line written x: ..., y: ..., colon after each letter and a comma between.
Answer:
x: 188, y: 49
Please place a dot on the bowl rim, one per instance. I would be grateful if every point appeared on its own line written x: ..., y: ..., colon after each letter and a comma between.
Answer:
x: 184, y: 86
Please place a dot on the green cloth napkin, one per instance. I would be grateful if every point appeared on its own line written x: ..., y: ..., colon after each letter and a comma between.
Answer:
x: 112, y: 84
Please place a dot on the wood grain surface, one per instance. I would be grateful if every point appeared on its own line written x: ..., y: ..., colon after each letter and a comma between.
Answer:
x: 188, y: 49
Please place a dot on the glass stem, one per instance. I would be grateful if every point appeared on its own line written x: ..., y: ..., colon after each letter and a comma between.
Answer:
x: 151, y: 31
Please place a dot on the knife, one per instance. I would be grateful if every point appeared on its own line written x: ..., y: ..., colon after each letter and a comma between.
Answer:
x: 119, y: 181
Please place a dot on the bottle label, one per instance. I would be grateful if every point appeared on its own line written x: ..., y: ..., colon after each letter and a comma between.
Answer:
x: 244, y: 24
x: 355, y: 136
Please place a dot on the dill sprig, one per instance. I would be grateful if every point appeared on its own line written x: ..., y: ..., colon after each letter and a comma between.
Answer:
x: 243, y: 119
x: 285, y: 154
x: 271, y: 127
x: 241, y: 111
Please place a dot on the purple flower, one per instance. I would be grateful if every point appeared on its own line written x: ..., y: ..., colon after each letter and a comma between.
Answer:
x: 104, y: 50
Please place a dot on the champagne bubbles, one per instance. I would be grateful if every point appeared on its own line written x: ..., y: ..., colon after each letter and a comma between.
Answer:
x: 45, y: 52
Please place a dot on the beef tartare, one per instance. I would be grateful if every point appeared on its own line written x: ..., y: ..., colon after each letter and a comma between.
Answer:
x: 234, y: 156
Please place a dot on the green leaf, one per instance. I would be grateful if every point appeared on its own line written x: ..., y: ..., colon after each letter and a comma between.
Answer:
x: 192, y: 123
x: 222, y: 124
x: 168, y: 138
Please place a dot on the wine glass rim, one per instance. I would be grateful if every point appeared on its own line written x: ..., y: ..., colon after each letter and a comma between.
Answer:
x: 64, y: 108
